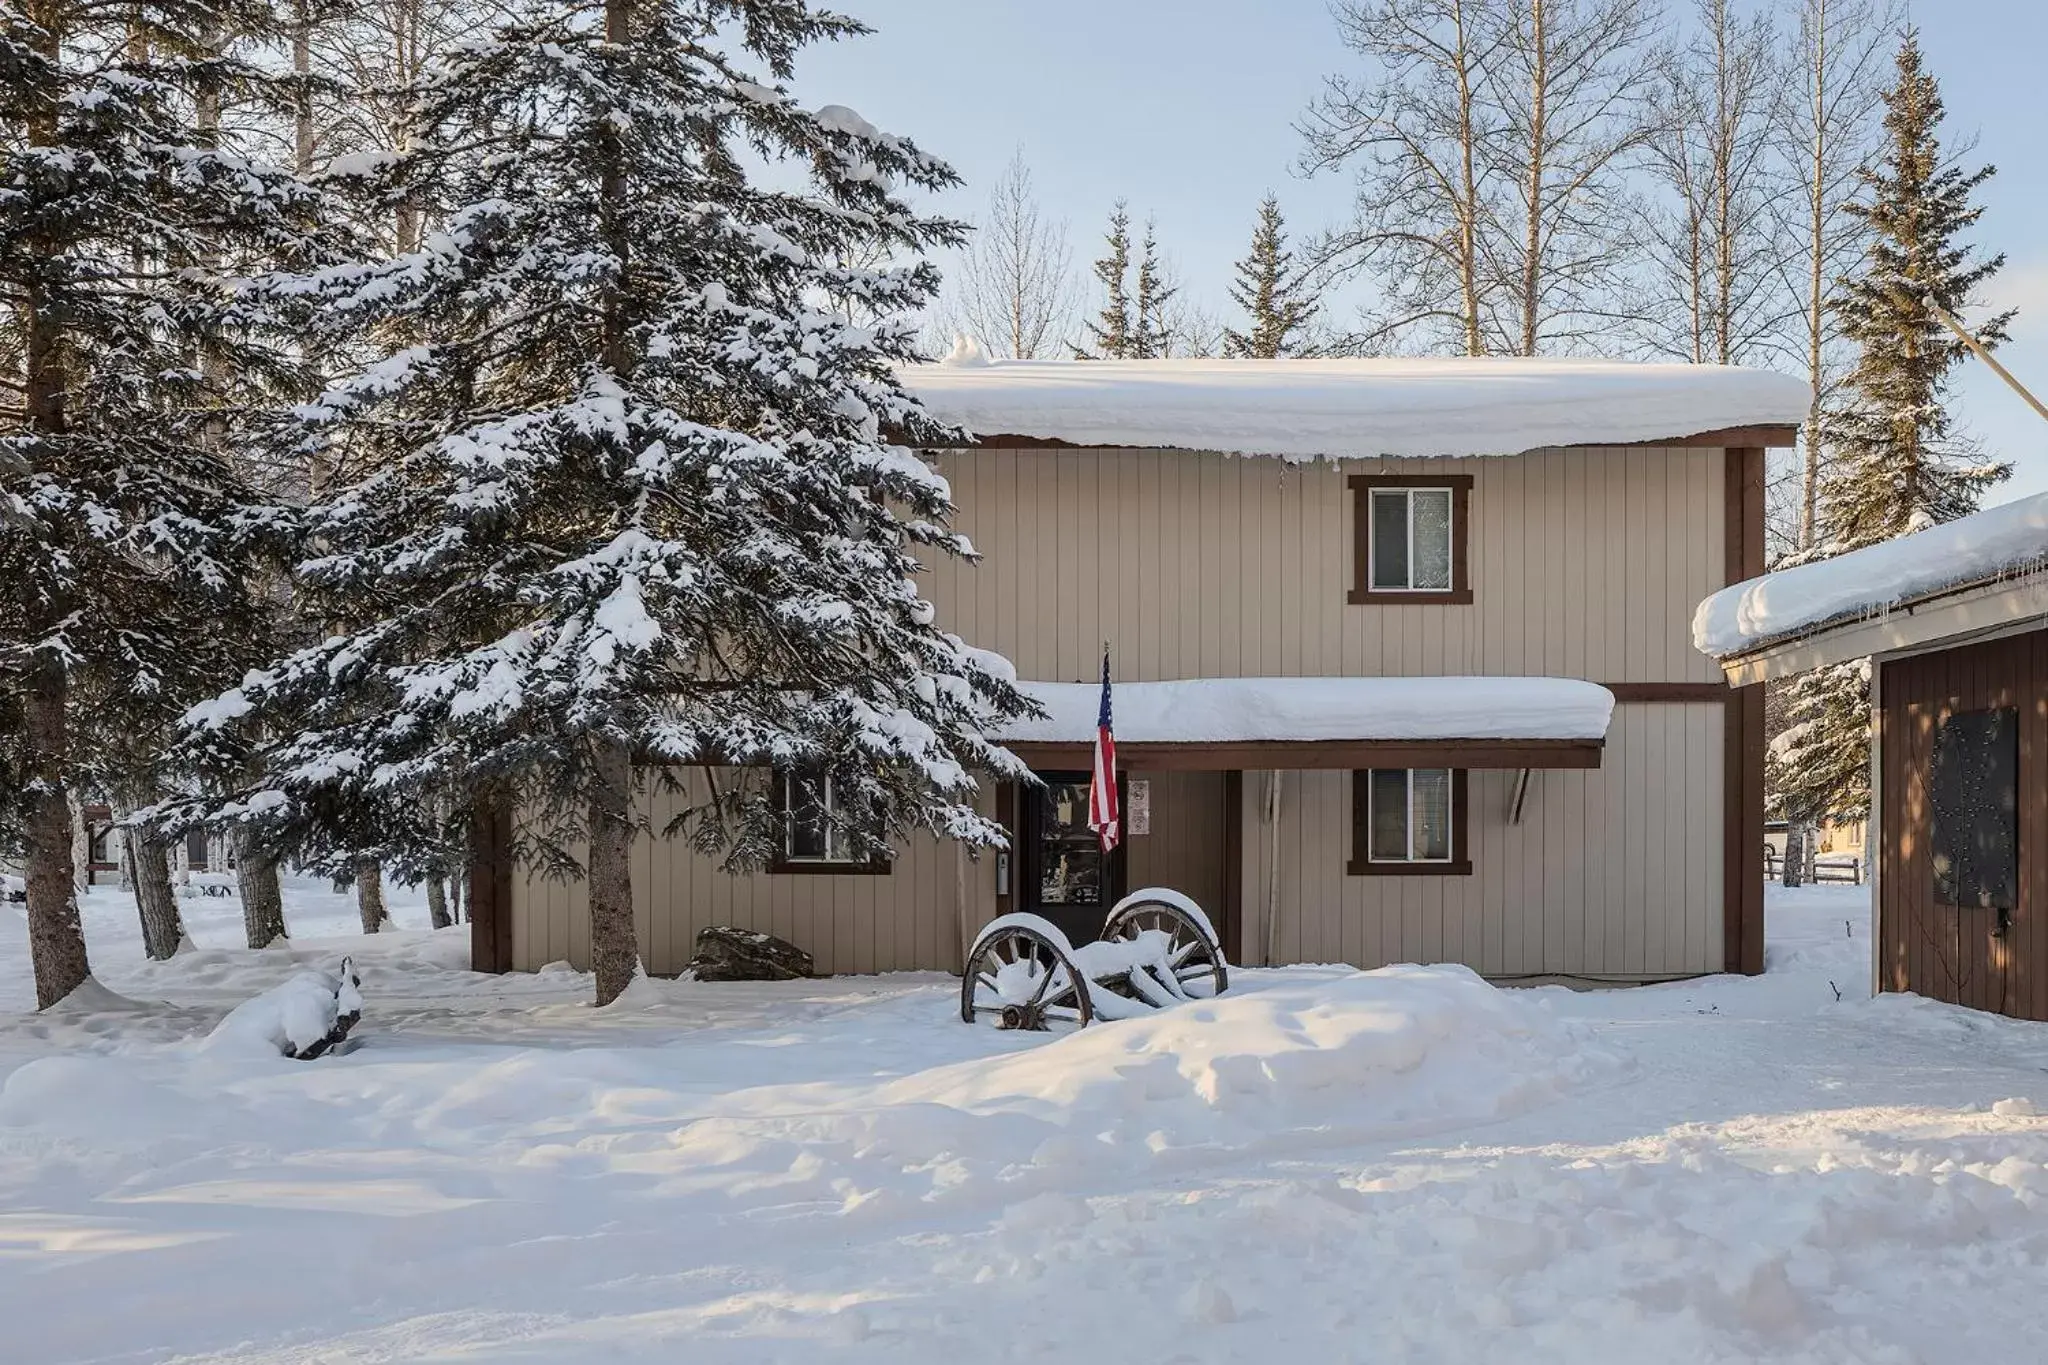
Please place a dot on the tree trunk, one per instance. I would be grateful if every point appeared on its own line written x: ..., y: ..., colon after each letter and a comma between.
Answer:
x: 1816, y: 294
x: 1795, y: 852
x: 262, y: 895
x: 302, y: 103
x: 163, y: 928
x: 1468, y: 204
x: 437, y: 902
x: 614, y: 951
x: 1539, y: 133
x: 56, y: 937
x: 370, y: 895
x: 81, y: 841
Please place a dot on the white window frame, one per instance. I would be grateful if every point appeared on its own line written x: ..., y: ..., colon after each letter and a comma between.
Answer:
x: 1409, y: 821
x: 1372, y: 534
x: 835, y: 845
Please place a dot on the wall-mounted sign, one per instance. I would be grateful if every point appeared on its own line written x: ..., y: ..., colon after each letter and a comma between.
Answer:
x: 1138, y: 807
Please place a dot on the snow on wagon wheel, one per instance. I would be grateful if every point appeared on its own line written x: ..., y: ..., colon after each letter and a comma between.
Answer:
x: 1192, y: 952
x: 1021, y: 975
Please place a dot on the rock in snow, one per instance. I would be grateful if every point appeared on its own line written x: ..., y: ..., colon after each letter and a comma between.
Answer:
x: 728, y: 954
x: 302, y: 1017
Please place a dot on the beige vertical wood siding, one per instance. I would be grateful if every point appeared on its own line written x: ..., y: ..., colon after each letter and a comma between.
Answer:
x: 1585, y: 563
x: 905, y: 919
x: 1612, y: 872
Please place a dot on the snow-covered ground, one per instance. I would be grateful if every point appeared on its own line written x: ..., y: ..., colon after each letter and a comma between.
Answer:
x: 1326, y: 1167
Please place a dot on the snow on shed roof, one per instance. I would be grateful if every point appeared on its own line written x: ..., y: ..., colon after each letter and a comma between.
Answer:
x: 1265, y: 710
x: 1864, y: 583
x: 1345, y: 409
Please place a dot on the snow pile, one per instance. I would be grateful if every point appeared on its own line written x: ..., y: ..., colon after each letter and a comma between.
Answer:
x: 1199, y: 710
x: 1339, y: 1058
x: 2001, y: 542
x: 1397, y: 1051
x: 1352, y: 409
x: 302, y: 1017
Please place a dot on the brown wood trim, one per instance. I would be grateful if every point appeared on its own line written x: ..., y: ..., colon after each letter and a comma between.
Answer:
x: 1360, y: 865
x: 1742, y: 826
x: 1777, y: 436
x: 1626, y: 694
x: 1233, y: 864
x: 1305, y: 754
x: 1362, y: 592
x: 490, y: 889
x: 1006, y: 816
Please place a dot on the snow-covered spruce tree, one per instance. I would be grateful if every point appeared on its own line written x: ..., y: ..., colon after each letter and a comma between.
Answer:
x: 122, y: 526
x: 1152, y: 333
x: 1113, y: 333
x: 1276, y: 301
x: 625, y: 504
x: 1896, y: 464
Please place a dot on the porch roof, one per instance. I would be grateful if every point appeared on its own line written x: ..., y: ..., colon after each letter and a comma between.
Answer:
x: 1241, y: 723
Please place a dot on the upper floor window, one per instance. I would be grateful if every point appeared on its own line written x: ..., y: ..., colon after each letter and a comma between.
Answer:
x: 1412, y: 537
x: 814, y: 837
x: 1409, y: 821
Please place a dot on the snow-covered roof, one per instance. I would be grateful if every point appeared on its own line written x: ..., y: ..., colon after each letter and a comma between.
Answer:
x: 1267, y: 710
x: 1996, y: 543
x: 1345, y: 409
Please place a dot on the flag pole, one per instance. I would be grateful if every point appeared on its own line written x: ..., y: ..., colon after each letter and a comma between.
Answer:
x: 1983, y: 353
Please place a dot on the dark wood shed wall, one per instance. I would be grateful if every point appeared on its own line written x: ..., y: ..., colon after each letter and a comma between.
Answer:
x: 1940, y: 951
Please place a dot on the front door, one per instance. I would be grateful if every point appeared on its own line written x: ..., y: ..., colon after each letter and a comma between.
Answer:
x: 1066, y: 876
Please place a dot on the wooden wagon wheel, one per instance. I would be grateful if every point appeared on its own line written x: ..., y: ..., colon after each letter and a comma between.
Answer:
x: 1020, y: 975
x: 1194, y: 956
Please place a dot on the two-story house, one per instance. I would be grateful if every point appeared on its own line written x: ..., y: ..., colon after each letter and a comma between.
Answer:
x: 1402, y: 662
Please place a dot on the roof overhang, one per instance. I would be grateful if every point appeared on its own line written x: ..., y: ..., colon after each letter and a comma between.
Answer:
x: 1223, y: 724
x: 1769, y: 436
x: 1966, y: 614
x: 1310, y: 754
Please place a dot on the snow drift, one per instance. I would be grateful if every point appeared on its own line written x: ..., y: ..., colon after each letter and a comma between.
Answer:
x: 1349, y: 1057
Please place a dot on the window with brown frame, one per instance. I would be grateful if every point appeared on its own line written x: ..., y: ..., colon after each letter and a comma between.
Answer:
x: 1409, y: 822
x: 1412, y: 538
x: 813, y: 836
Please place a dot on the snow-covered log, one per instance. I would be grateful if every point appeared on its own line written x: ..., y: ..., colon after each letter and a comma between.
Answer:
x: 302, y: 1017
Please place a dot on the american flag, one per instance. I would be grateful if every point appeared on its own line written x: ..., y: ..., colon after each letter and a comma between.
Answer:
x: 1104, y: 817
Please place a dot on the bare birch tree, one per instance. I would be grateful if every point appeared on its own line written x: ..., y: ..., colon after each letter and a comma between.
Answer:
x: 1016, y: 292
x: 1841, y: 50
x: 1570, y: 87
x: 1715, y: 257
x: 1416, y: 136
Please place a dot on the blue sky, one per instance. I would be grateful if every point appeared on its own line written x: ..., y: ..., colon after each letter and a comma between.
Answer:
x: 1186, y: 108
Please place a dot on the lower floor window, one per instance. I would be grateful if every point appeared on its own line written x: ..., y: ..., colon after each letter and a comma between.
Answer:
x: 808, y: 834
x: 1409, y: 820
x: 814, y: 837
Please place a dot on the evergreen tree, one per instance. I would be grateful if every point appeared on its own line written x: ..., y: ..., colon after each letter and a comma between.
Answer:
x: 1896, y: 466
x: 1112, y: 332
x: 1275, y: 300
x: 130, y: 362
x: 622, y: 504
x: 1152, y: 336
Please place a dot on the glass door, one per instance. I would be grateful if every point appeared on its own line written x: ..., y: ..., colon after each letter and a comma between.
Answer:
x: 1066, y: 877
